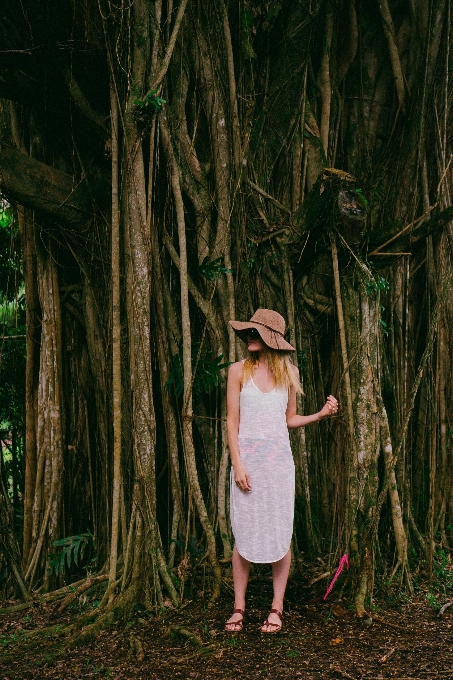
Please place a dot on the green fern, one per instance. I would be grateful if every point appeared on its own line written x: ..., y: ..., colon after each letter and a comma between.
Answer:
x: 72, y: 551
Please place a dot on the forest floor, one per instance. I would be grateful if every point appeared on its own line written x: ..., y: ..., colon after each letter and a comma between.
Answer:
x: 405, y: 639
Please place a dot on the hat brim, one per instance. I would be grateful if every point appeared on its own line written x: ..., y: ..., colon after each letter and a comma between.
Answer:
x: 270, y: 338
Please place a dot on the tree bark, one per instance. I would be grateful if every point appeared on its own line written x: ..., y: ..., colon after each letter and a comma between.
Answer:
x: 47, y: 506
x: 189, y: 451
x: 116, y: 339
x: 40, y: 187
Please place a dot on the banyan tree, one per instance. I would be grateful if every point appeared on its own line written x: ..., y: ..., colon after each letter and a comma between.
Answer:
x: 171, y: 166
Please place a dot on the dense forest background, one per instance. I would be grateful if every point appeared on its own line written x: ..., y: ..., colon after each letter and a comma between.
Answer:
x: 168, y: 166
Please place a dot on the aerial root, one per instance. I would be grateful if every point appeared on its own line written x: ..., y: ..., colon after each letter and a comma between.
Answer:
x: 41, y: 599
x: 106, y: 614
x: 83, y: 587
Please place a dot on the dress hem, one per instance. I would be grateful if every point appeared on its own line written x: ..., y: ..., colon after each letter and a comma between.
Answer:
x: 264, y: 561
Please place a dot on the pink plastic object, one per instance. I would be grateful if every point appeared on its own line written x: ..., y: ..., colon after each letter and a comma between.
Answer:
x: 344, y: 561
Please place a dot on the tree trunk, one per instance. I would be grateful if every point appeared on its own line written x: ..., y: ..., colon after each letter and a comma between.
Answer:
x: 47, y: 506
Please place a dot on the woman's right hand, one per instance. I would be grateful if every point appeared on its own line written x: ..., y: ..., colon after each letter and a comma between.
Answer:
x: 241, y: 478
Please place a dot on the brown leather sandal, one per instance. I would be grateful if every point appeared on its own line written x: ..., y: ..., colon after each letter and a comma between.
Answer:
x: 235, y: 623
x: 276, y: 626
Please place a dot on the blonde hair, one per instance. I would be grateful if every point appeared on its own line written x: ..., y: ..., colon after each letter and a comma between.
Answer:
x: 279, y: 364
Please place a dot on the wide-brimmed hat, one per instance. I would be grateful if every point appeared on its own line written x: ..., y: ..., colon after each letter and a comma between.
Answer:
x: 269, y: 324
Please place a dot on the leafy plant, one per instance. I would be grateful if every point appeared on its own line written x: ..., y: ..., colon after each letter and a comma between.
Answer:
x: 10, y: 258
x: 152, y: 102
x: 144, y: 109
x: 433, y: 600
x: 376, y: 284
x: 7, y: 640
x: 6, y: 215
x: 443, y: 571
x: 207, y: 376
x: 362, y: 197
x: 212, y: 270
x: 12, y: 360
x: 384, y: 327
x: 195, y: 551
x: 383, y: 324
x: 72, y: 550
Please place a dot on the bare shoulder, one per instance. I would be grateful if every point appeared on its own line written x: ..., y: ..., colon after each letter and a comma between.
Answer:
x: 235, y: 370
x: 235, y: 377
x: 295, y: 370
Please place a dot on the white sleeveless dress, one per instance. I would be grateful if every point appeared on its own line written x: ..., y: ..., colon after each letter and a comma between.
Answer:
x: 262, y: 519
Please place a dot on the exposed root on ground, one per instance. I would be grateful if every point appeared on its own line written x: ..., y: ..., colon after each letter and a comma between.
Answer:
x: 180, y: 630
x: 91, y: 631
x: 83, y: 587
x: 202, y: 652
x: 136, y: 649
x: 40, y: 599
x: 107, y: 613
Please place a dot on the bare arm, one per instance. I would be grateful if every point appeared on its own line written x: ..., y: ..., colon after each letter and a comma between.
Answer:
x: 233, y: 393
x: 293, y: 420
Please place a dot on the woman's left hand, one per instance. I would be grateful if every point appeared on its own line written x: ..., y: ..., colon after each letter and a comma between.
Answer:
x: 330, y: 408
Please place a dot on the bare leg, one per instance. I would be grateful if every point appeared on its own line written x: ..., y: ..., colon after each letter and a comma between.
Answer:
x: 241, y: 571
x: 280, y: 571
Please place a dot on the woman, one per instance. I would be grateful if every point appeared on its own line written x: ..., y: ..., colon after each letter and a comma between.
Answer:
x: 261, y: 398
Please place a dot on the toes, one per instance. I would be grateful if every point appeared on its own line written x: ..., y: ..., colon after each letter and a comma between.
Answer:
x: 231, y: 627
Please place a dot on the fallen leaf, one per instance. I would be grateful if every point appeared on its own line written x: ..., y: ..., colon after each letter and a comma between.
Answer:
x: 338, y: 610
x: 336, y: 641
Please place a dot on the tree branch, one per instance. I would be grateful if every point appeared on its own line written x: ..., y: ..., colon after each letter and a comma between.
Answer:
x: 82, y: 102
x: 389, y: 31
x: 171, y: 44
x: 396, y: 239
x: 40, y: 187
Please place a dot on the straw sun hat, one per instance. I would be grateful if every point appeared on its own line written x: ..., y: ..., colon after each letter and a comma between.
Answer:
x: 269, y: 324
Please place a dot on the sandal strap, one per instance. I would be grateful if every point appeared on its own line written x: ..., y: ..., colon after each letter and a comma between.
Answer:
x: 237, y: 624
x: 279, y: 614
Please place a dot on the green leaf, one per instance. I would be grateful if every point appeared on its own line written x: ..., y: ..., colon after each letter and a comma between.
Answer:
x: 207, y: 376
x: 376, y: 284
x: 151, y: 101
x: 362, y: 197
x: 72, y: 550
x: 212, y: 270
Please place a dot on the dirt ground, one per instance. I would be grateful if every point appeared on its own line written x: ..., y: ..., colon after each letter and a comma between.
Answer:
x: 404, y: 639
